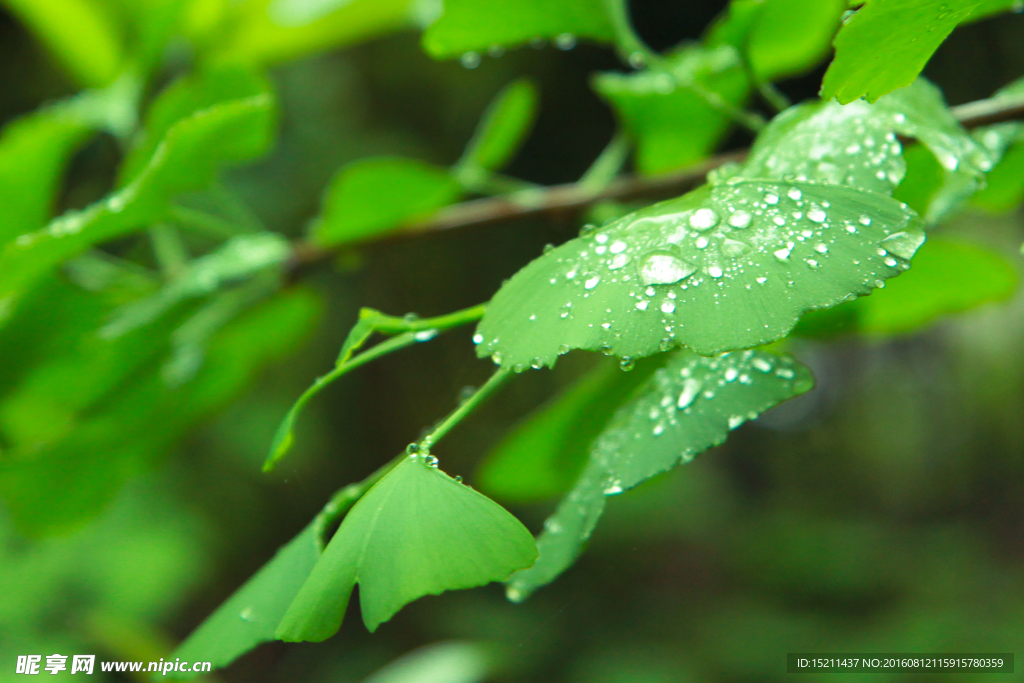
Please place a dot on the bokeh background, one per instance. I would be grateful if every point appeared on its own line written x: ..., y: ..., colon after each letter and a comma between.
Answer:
x: 882, y: 512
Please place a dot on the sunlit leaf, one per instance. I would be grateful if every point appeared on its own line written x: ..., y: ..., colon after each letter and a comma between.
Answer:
x: 504, y: 126
x: 544, y: 454
x: 687, y: 407
x: 886, y: 44
x: 780, y: 38
x: 925, y: 293
x: 79, y: 32
x: 724, y: 267
x: 477, y: 25
x: 666, y: 108
x: 269, y: 31
x: 370, y: 197
x: 189, y: 157
x: 416, y: 532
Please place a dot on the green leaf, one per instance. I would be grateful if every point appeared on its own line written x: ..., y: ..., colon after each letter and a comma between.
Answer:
x: 60, y: 486
x: 780, y: 38
x: 1004, y: 190
x: 652, y: 102
x: 476, y: 25
x: 687, y: 407
x: 501, y: 131
x: 371, y: 197
x: 34, y: 151
x: 416, y: 532
x: 188, y: 159
x: 886, y: 44
x: 209, y: 86
x: 713, y: 270
x: 238, y: 258
x: 269, y: 31
x: 925, y: 293
x: 987, y: 8
x: 544, y: 454
x: 79, y: 33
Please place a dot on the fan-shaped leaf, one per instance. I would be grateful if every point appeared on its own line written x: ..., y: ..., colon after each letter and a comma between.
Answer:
x: 416, y: 532
x: 688, y: 406
x: 724, y: 267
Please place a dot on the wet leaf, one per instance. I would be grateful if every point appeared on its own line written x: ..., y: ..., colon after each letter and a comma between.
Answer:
x: 371, y: 197
x: 477, y: 25
x: 725, y: 267
x: 416, y: 532
x: 652, y: 104
x: 687, y: 407
x: 886, y: 44
x: 925, y: 293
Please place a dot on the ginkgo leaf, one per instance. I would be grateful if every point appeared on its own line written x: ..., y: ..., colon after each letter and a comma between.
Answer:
x: 886, y: 43
x: 687, y: 407
x: 724, y: 267
x: 416, y: 532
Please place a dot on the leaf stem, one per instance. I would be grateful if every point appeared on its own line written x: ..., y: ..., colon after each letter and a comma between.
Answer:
x: 607, y: 165
x: 464, y: 409
x: 628, y: 44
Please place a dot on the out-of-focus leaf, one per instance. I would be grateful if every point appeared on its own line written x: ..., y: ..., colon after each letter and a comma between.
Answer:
x: 544, y: 454
x: 667, y: 108
x: 450, y: 662
x: 250, y: 616
x: 987, y: 8
x: 269, y: 31
x: 886, y: 44
x: 504, y: 126
x: 79, y: 32
x: 187, y: 96
x: 476, y: 25
x: 238, y: 258
x: 370, y: 197
x: 1005, y: 142
x: 33, y: 153
x: 948, y: 276
x: 60, y: 486
x: 416, y: 532
x: 687, y: 407
x: 780, y: 38
x: 189, y: 157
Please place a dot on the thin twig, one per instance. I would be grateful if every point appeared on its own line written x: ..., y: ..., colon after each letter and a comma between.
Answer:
x: 563, y: 202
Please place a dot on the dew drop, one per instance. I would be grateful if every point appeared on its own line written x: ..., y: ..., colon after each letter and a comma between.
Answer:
x: 641, y: 305
x: 701, y: 242
x: 715, y: 271
x: 470, y: 60
x: 783, y: 254
x: 246, y: 614
x: 565, y: 41
x: 795, y: 194
x: 668, y: 307
x: 613, y: 488
x: 691, y: 389
x: 864, y: 220
x: 591, y: 282
x: 904, y: 244
x: 816, y: 215
x: 821, y: 248
x: 617, y: 247
x: 771, y: 198
x: 735, y: 421
x: 703, y: 219
x: 661, y: 268
x: 740, y: 220
x: 478, y: 338
x: 733, y: 248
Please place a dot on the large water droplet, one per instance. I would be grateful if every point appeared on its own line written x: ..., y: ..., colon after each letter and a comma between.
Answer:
x: 904, y: 244
x: 591, y: 281
x: 733, y: 248
x: 740, y: 220
x: 703, y: 219
x: 691, y: 388
x: 661, y: 268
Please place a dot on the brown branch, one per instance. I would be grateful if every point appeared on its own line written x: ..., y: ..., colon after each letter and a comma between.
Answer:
x: 569, y: 200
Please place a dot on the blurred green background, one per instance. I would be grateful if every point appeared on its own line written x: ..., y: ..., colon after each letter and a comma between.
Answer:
x: 884, y: 511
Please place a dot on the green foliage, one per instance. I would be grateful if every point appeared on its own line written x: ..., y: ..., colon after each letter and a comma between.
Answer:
x: 778, y: 38
x: 688, y: 406
x: 544, y: 454
x: 501, y: 131
x: 652, y: 103
x: 885, y: 45
x: 187, y: 159
x: 448, y: 662
x: 371, y: 197
x: 476, y: 25
x: 416, y: 532
x: 924, y: 294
